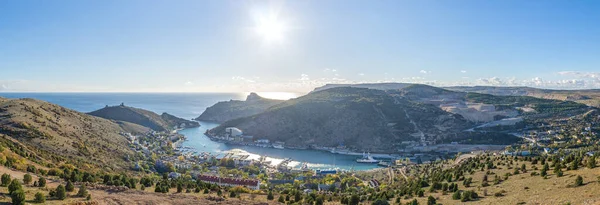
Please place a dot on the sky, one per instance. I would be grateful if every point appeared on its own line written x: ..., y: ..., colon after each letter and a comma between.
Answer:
x: 294, y: 46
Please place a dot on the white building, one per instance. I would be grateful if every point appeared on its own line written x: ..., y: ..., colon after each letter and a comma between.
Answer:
x: 233, y: 132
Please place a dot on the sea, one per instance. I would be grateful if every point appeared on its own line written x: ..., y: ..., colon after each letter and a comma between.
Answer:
x: 191, y: 105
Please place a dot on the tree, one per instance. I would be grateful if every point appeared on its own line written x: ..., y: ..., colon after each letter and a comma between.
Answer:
x: 297, y: 196
x: 456, y: 195
x: 180, y: 188
x: 354, y: 200
x: 591, y: 162
x: 14, y: 186
x: 381, y: 202
x: 319, y: 201
x: 431, y: 200
x: 231, y: 194
x: 70, y: 187
x: 579, y: 180
x: 281, y: 199
x: 40, y: 198
x: 413, y: 202
x: 18, y: 197
x: 270, y: 196
x: 82, y: 191
x: 61, y: 193
x: 5, y: 180
x: 27, y: 178
x: 42, y: 182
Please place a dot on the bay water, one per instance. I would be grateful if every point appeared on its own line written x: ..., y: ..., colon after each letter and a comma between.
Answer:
x: 191, y: 105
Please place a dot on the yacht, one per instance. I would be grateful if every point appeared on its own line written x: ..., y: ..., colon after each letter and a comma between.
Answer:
x: 367, y: 159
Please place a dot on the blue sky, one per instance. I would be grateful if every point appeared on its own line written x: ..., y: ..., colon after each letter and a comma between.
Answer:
x: 214, y: 46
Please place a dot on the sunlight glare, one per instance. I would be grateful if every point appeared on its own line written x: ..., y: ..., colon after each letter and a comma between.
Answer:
x: 271, y: 29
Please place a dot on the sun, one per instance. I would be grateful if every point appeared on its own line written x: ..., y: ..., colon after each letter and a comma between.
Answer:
x: 271, y: 29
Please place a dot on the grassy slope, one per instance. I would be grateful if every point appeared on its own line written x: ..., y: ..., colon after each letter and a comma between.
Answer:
x: 57, y: 135
x: 529, y: 189
x: 133, y: 115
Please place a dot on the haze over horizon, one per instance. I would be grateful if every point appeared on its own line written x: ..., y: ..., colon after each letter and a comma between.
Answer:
x: 294, y: 46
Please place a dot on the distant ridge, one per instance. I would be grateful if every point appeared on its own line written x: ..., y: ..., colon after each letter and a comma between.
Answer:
x: 233, y: 109
x: 590, y: 97
x: 143, y: 117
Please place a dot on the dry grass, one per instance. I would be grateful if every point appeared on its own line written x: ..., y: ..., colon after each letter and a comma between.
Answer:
x: 527, y: 189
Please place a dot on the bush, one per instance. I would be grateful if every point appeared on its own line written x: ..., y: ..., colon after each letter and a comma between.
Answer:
x: 42, y: 182
x: 270, y: 196
x: 456, y: 195
x: 5, y: 180
x: 40, y: 198
x: 27, y: 178
x: 70, y: 187
x: 61, y: 192
x: 14, y: 186
x: 82, y: 191
x: 18, y: 197
x: 579, y: 181
x: 431, y: 200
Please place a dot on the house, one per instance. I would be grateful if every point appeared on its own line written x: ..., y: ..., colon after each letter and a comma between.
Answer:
x: 231, y: 182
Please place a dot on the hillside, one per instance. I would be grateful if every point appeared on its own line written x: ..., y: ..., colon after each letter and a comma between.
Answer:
x: 52, y: 135
x: 588, y: 97
x: 233, y: 109
x: 376, y: 86
x: 143, y: 117
x: 363, y: 119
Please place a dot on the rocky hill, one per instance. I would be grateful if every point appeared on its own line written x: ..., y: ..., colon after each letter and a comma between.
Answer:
x: 143, y: 117
x: 360, y: 118
x: 52, y: 135
x: 233, y: 109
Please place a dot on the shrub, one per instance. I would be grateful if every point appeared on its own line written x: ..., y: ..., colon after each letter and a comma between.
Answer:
x: 40, y: 198
x: 70, y: 187
x: 27, y: 178
x: 18, y: 197
x: 579, y: 181
x: 42, y: 182
x: 456, y: 195
x: 61, y: 192
x: 82, y: 191
x: 431, y: 200
x: 14, y: 186
x: 270, y: 196
x: 5, y: 180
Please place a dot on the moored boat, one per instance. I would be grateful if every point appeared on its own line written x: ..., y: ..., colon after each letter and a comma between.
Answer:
x: 367, y: 159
